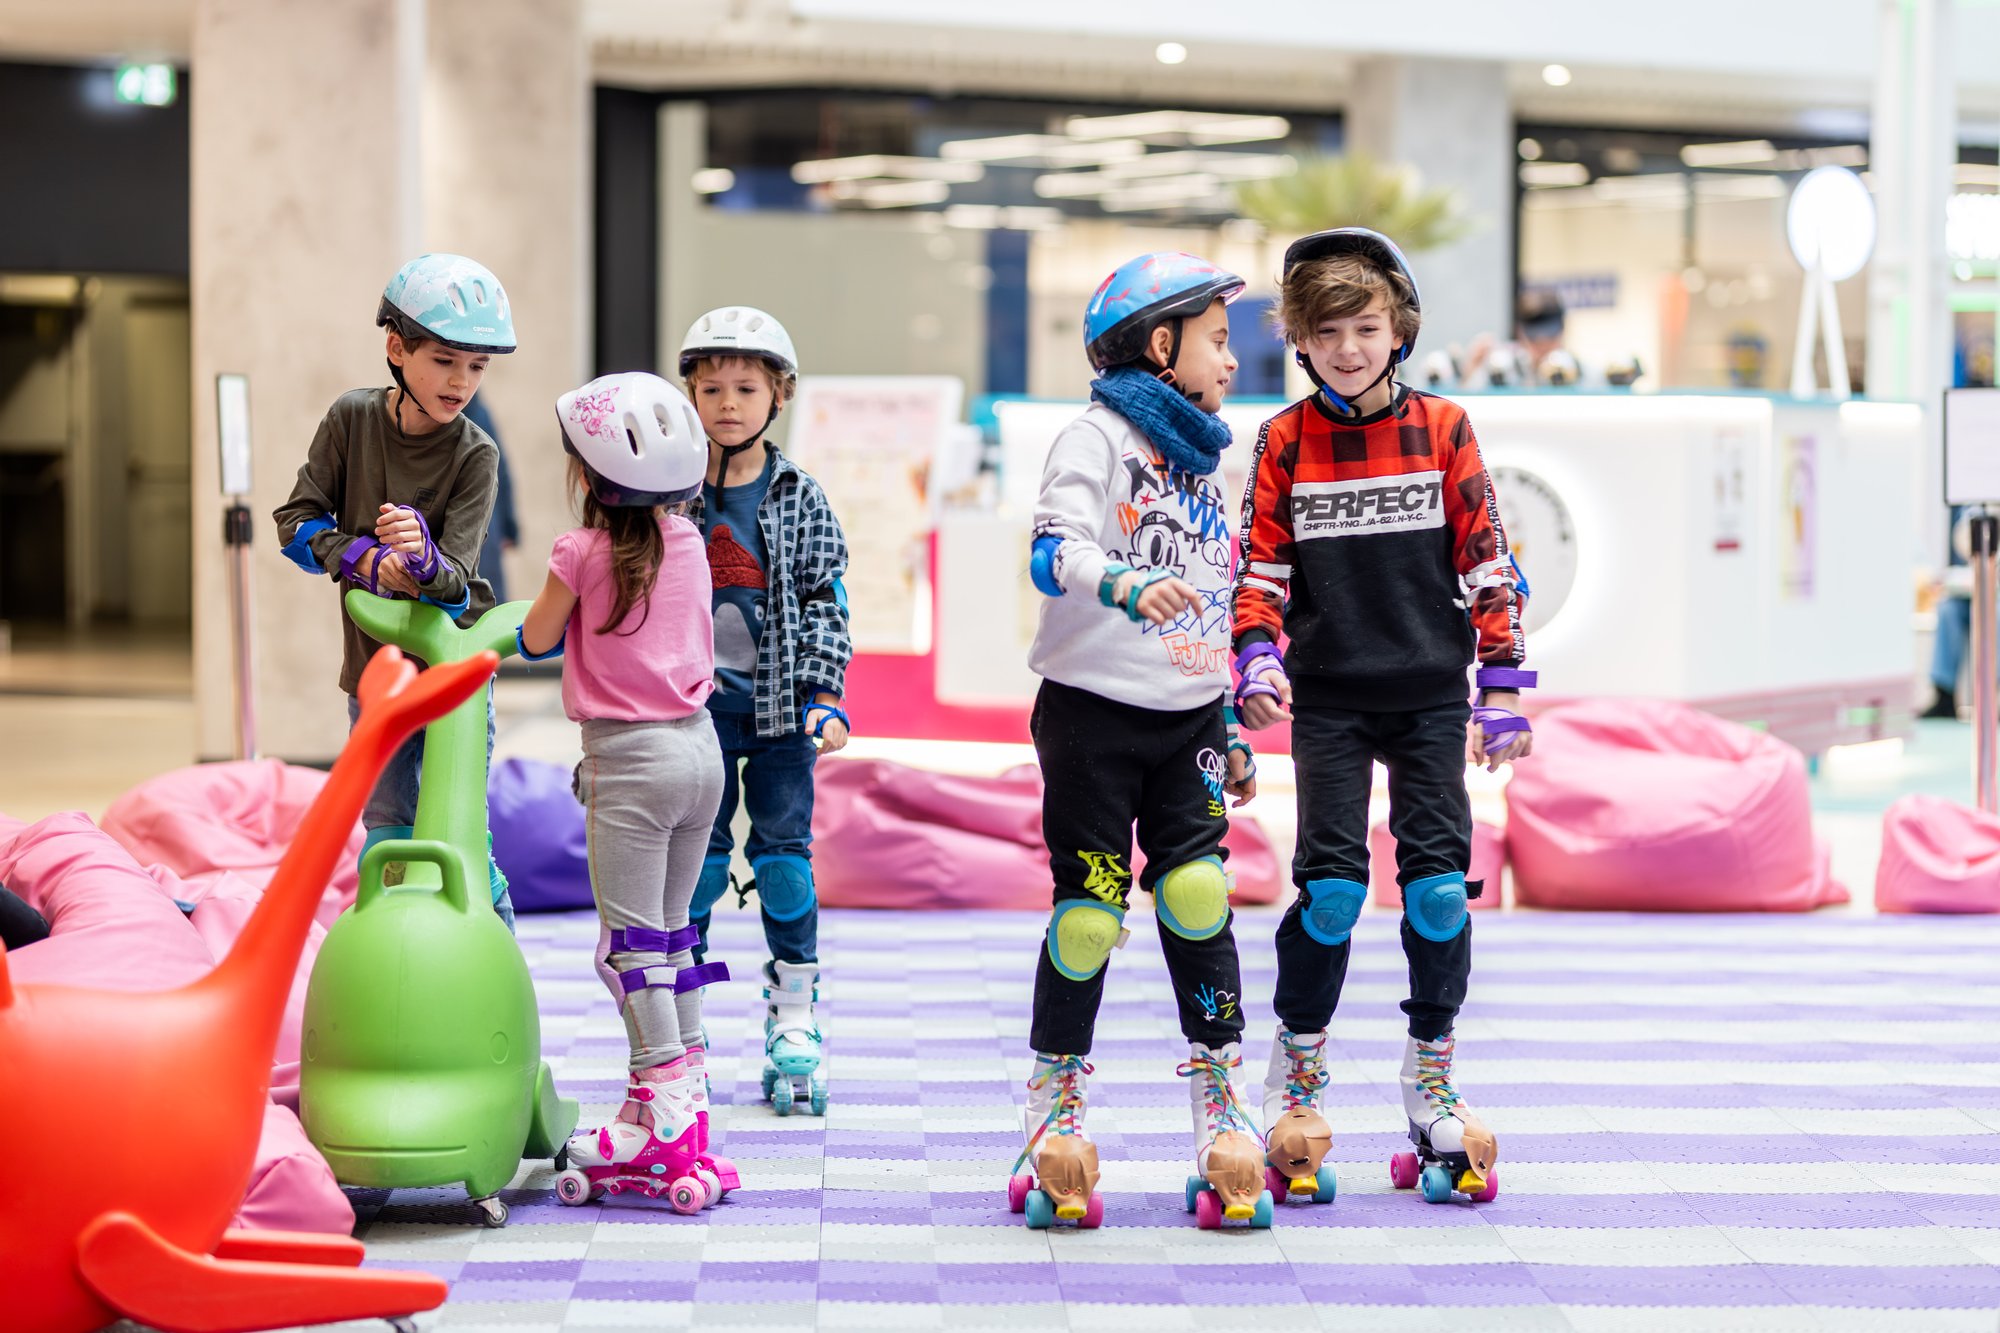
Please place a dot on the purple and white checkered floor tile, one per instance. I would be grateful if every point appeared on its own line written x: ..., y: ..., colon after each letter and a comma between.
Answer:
x: 1715, y: 1123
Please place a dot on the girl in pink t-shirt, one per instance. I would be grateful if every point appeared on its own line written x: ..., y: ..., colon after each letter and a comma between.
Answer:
x: 627, y: 604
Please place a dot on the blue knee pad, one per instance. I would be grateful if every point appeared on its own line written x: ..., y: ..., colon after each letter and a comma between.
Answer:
x: 1435, y: 906
x: 1329, y: 908
x: 387, y: 833
x: 708, y: 890
x: 785, y: 886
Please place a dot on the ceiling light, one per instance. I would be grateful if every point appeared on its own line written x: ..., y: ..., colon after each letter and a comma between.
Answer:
x: 819, y: 171
x: 1740, y: 153
x: 891, y: 194
x: 1529, y: 149
x: 1170, y: 53
x: 1556, y: 76
x: 1238, y: 129
x: 1073, y: 185
x: 713, y: 180
x: 1545, y: 174
x: 998, y: 148
x: 1831, y: 222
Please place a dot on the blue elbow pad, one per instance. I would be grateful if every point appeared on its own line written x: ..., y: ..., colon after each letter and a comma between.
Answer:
x: 521, y: 644
x: 452, y: 609
x: 840, y: 594
x: 1042, y: 565
x: 299, y: 549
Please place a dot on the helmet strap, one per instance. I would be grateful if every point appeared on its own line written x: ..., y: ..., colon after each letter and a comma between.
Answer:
x: 1165, y: 374
x: 1341, y: 404
x: 730, y: 451
x: 403, y: 395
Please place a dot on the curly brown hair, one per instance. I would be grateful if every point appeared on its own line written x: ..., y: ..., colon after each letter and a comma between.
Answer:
x: 1340, y: 287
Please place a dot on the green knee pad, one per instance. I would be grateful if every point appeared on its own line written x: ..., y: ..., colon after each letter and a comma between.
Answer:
x: 1082, y: 934
x: 1193, y: 900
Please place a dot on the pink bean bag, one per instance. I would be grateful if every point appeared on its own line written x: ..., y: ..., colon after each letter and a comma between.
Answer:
x: 234, y: 816
x: 1489, y: 857
x: 114, y: 926
x: 887, y: 835
x: 1938, y: 856
x: 1650, y: 805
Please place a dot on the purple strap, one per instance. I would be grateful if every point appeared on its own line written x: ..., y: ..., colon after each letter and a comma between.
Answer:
x: 352, y: 556
x: 639, y: 978
x: 641, y: 939
x: 1497, y: 723
x: 1253, y: 678
x: 701, y: 974
x: 425, y: 567
x: 1504, y: 678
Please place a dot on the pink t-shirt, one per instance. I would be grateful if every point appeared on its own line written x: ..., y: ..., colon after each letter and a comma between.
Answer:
x: 665, y: 667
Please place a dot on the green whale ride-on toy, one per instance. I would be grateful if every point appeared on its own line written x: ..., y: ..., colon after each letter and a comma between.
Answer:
x: 421, y: 1053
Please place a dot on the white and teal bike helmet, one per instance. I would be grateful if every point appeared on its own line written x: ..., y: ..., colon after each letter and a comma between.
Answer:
x: 449, y: 299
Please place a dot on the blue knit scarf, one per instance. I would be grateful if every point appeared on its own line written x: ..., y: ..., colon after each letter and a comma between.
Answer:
x: 1192, y: 440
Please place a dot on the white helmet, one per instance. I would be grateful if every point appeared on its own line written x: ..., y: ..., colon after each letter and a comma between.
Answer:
x: 638, y: 437
x: 739, y: 330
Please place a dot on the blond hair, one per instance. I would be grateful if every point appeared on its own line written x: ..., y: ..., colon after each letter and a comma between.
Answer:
x: 781, y: 384
x: 1340, y: 287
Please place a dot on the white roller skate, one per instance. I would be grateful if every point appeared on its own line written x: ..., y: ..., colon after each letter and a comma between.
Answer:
x: 1297, y: 1137
x: 1061, y: 1180
x: 652, y: 1148
x: 1228, y: 1184
x: 792, y: 1072
x: 1455, y: 1152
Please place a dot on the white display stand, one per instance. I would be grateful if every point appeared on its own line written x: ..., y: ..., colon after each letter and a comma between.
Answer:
x: 1743, y: 553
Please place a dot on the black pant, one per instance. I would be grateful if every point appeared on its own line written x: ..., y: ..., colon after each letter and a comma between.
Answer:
x: 1105, y: 766
x: 20, y: 924
x: 1431, y: 818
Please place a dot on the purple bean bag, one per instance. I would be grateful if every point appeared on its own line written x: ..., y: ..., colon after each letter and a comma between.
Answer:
x: 538, y: 837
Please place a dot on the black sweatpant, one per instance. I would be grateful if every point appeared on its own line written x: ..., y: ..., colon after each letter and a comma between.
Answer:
x: 1429, y: 814
x: 1105, y: 766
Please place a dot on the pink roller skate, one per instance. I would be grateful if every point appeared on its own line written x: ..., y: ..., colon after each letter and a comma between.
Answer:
x: 653, y: 1147
x: 721, y: 1170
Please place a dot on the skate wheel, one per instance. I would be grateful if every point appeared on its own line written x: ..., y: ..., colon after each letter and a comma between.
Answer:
x: 1041, y: 1210
x: 688, y: 1195
x: 1492, y: 1190
x: 1093, y: 1214
x: 781, y: 1096
x: 401, y: 1324
x: 1276, y: 1182
x: 710, y: 1182
x: 573, y: 1188
x: 1326, y: 1184
x: 1436, y: 1182
x: 1017, y: 1192
x: 1260, y: 1220
x: 1196, y: 1187
x: 1207, y: 1211
x: 1403, y: 1169
x: 770, y: 1081
x: 818, y: 1093
x: 492, y: 1212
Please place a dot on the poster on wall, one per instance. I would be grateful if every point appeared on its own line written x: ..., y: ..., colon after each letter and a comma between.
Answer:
x: 1798, y: 524
x: 1732, y: 463
x: 872, y: 442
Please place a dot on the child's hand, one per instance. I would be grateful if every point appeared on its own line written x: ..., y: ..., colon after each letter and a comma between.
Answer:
x: 1242, y: 780
x: 392, y: 576
x: 1261, y: 710
x: 398, y: 527
x: 1162, y: 602
x: 833, y: 738
x: 833, y: 734
x: 1520, y: 744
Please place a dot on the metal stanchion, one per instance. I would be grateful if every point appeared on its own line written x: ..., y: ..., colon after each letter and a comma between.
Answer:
x: 236, y: 529
x: 1983, y: 529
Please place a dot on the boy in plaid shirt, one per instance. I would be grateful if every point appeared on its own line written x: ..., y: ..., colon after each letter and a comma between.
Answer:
x: 1371, y: 537
x: 775, y: 553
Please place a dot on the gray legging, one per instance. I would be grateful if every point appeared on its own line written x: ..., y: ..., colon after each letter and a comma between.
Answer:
x: 650, y: 791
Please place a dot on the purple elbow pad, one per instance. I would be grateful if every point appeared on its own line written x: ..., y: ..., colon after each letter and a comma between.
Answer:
x: 1504, y: 678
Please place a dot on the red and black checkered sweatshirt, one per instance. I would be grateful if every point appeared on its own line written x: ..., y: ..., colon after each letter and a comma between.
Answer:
x: 1375, y: 543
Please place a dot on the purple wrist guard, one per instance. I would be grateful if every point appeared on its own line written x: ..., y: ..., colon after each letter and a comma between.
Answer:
x: 352, y: 556
x: 1504, y: 678
x: 425, y: 567
x: 1253, y: 678
x: 1497, y: 725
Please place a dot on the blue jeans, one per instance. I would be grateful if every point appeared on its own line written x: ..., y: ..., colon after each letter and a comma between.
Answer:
x: 393, y: 803
x: 777, y: 790
x: 1954, y: 632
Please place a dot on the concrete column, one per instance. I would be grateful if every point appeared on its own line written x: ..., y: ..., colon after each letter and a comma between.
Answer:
x: 507, y: 181
x: 1452, y: 121
x: 305, y: 198
x: 1912, y: 161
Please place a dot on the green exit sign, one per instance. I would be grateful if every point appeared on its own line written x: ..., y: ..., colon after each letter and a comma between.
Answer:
x: 146, y: 85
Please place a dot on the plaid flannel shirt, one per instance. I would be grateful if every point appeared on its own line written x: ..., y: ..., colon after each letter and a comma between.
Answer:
x: 805, y: 646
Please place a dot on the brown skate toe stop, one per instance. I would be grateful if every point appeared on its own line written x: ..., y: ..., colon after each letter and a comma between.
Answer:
x: 1298, y: 1143
x: 1481, y: 1148
x: 1066, y: 1169
x: 1235, y: 1170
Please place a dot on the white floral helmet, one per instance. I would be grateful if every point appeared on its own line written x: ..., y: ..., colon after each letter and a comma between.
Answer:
x: 638, y: 437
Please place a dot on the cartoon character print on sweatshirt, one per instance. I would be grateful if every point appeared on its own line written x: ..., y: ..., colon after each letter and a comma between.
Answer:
x: 1177, y: 522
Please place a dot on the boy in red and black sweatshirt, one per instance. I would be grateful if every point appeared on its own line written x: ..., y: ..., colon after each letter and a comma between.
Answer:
x: 1371, y: 537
